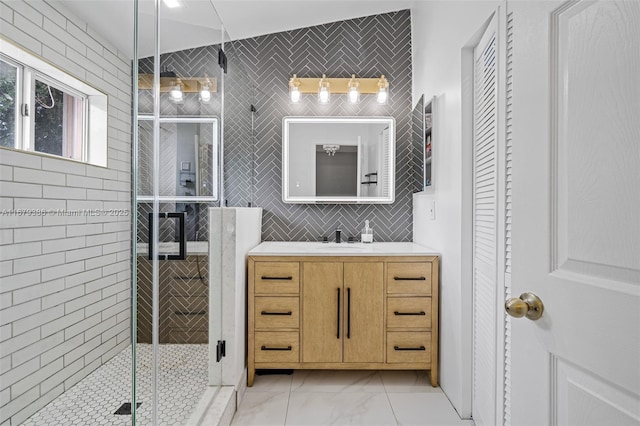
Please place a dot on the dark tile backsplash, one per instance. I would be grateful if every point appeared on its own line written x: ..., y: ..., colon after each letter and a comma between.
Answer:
x: 368, y: 47
x: 258, y: 75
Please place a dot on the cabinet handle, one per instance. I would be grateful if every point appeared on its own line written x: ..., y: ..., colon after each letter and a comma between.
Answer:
x: 348, y: 313
x: 264, y: 348
x: 190, y: 313
x: 409, y: 313
x: 277, y: 278
x: 275, y: 313
x: 338, y: 320
x: 409, y: 278
x: 398, y: 348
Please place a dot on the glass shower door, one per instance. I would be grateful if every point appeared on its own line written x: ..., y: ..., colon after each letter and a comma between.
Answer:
x: 177, y: 161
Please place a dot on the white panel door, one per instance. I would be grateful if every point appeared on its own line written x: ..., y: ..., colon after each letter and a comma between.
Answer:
x: 576, y: 211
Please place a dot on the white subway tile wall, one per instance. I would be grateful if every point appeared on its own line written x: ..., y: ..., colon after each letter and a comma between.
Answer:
x: 65, y: 287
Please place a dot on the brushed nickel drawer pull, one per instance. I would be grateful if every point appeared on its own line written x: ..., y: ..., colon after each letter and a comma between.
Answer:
x: 409, y: 313
x: 276, y: 313
x: 190, y: 313
x: 398, y: 348
x: 409, y: 278
x: 264, y: 348
x: 289, y: 278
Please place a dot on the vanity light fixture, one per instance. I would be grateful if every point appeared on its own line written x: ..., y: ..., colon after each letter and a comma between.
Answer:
x: 294, y: 89
x: 178, y: 86
x: 323, y: 90
x: 176, y: 91
x: 205, y: 90
x: 383, y: 90
x: 325, y: 87
x: 354, y: 93
x: 330, y: 149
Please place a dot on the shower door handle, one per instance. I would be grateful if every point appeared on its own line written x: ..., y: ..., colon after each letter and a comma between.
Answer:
x: 182, y: 255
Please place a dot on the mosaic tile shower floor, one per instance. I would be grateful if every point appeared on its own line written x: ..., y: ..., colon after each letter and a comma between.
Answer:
x: 183, y: 377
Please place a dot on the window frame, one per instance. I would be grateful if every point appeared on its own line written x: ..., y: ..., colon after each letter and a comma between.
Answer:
x: 93, y: 112
x: 17, y: 119
x: 67, y: 144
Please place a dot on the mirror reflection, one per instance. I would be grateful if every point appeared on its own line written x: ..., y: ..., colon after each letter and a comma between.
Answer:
x: 188, y: 155
x: 347, y: 160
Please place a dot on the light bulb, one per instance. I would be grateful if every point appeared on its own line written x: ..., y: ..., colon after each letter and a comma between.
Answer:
x: 323, y: 95
x: 354, y: 95
x: 205, y: 95
x: 323, y: 90
x: 176, y: 93
x: 295, y: 95
x: 383, y: 90
x: 382, y: 96
x: 294, y: 90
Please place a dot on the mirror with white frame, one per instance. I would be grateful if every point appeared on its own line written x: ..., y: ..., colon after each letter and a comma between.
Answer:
x: 188, y: 155
x: 338, y: 160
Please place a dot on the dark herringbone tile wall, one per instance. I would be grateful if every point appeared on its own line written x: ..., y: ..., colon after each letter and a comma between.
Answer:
x: 258, y: 74
x: 238, y: 136
x: 238, y: 91
x: 368, y: 47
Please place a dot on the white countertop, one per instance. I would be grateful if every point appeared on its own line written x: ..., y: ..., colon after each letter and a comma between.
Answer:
x: 306, y: 248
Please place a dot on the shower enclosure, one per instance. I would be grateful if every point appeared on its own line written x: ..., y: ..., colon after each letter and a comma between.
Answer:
x: 192, y: 151
x: 117, y: 319
x: 178, y: 153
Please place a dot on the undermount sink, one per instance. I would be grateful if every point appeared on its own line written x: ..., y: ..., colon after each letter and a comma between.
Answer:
x: 341, y: 246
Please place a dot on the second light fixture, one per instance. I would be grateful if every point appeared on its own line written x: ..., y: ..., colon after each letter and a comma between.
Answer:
x: 324, y: 87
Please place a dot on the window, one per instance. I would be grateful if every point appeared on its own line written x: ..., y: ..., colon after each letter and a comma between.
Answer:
x: 45, y: 110
x: 8, y: 104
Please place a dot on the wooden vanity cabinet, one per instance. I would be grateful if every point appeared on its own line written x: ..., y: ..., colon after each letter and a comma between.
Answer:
x: 349, y: 312
x: 343, y: 312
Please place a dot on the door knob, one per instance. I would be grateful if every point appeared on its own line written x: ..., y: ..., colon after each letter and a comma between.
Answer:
x: 528, y: 304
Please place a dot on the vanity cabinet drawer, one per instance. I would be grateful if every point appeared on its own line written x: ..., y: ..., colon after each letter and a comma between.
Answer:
x: 409, y: 278
x: 277, y: 346
x: 277, y: 312
x: 277, y: 277
x: 409, y: 312
x: 409, y: 346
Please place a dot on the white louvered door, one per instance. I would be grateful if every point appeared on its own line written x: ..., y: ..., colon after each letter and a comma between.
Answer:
x: 508, y: 204
x: 489, y: 257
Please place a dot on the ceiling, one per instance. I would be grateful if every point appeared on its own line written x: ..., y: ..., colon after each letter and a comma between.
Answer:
x: 196, y: 22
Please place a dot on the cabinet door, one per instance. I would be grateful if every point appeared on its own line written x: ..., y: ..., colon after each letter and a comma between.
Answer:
x: 364, y: 312
x: 322, y: 301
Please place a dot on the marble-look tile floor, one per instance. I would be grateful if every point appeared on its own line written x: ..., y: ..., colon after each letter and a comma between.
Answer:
x: 325, y: 397
x: 183, y: 376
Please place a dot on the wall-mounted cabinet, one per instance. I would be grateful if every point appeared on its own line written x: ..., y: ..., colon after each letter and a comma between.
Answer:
x: 343, y: 312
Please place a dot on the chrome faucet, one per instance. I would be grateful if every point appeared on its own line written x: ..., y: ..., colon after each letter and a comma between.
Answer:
x: 338, y: 233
